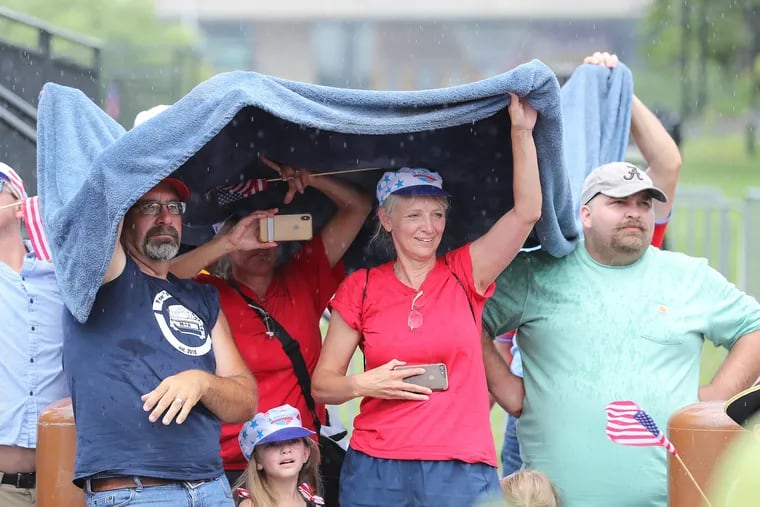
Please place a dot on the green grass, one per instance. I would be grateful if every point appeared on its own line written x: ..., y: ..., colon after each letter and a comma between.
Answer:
x: 720, y: 162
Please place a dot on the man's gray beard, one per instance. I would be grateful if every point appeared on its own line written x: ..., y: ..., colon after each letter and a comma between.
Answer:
x: 161, y: 251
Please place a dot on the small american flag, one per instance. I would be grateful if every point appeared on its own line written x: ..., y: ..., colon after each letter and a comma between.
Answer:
x: 628, y: 424
x: 229, y: 194
x: 33, y: 222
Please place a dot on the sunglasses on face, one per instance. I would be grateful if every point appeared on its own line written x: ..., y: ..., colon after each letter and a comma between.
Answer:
x: 155, y: 207
x: 3, y: 183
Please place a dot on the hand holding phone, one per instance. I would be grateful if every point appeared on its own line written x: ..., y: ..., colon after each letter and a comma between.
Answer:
x: 296, y: 227
x: 435, y: 377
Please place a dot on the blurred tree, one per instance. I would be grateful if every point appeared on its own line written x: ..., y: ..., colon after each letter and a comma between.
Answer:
x: 697, y: 34
x: 145, y: 60
x: 722, y: 35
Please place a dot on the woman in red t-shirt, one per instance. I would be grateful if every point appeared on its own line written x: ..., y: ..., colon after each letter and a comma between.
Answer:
x: 412, y: 445
x: 294, y: 294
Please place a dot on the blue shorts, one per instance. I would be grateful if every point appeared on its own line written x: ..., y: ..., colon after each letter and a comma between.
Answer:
x: 368, y: 482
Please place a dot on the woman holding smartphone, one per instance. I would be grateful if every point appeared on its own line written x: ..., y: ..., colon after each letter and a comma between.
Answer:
x: 412, y: 445
x: 294, y: 294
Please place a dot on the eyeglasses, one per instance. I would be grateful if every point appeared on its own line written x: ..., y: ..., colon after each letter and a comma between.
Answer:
x: 415, y: 320
x: 155, y: 207
x: 4, y: 182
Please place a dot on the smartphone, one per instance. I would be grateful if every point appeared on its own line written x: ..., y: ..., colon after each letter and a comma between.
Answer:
x: 435, y: 377
x: 296, y: 227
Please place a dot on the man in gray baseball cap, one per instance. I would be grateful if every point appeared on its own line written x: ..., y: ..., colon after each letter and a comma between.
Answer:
x: 616, y: 319
x: 619, y: 179
x: 617, y: 213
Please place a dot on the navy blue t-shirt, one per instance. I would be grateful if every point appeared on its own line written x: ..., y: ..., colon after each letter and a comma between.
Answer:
x: 141, y: 330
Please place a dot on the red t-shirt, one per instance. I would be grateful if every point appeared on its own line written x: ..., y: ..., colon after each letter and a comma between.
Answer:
x: 453, y: 424
x: 296, y: 298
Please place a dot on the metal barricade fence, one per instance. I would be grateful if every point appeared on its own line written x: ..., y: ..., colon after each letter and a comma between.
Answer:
x: 705, y: 223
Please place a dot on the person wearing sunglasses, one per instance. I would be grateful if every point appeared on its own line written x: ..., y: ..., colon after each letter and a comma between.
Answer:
x: 412, y: 445
x: 154, y: 371
x: 32, y: 342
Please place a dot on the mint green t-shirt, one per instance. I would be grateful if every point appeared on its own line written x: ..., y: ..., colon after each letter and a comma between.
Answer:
x: 591, y: 334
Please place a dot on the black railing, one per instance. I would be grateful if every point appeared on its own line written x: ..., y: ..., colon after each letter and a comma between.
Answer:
x: 27, y: 62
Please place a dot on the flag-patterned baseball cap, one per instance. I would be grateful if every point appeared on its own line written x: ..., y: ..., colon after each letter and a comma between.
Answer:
x: 410, y: 181
x: 14, y: 180
x: 274, y: 425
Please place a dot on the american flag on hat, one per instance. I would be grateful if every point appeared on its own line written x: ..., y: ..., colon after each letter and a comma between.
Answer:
x: 13, y: 179
x: 229, y: 194
x: 628, y: 424
x: 32, y: 213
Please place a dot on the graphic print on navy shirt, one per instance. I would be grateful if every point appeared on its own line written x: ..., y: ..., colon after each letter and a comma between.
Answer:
x: 182, y: 328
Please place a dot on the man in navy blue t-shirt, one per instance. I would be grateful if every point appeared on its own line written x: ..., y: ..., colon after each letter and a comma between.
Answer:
x: 154, y: 371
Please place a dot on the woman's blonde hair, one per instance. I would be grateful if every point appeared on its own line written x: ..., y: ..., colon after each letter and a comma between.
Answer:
x: 382, y: 239
x: 529, y: 488
x: 255, y: 481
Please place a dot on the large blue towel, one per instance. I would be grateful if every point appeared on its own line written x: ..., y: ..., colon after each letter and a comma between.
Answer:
x: 596, y: 120
x: 91, y: 171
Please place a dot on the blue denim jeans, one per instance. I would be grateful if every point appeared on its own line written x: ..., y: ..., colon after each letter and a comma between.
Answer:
x: 375, y: 482
x: 213, y: 493
x: 511, y: 461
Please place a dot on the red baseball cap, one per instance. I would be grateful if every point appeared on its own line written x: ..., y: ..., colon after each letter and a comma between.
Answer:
x: 183, y: 192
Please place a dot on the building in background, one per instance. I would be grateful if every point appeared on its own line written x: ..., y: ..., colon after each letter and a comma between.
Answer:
x: 405, y: 44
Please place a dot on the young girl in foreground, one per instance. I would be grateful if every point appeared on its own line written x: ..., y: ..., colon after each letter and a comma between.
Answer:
x: 282, y: 461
